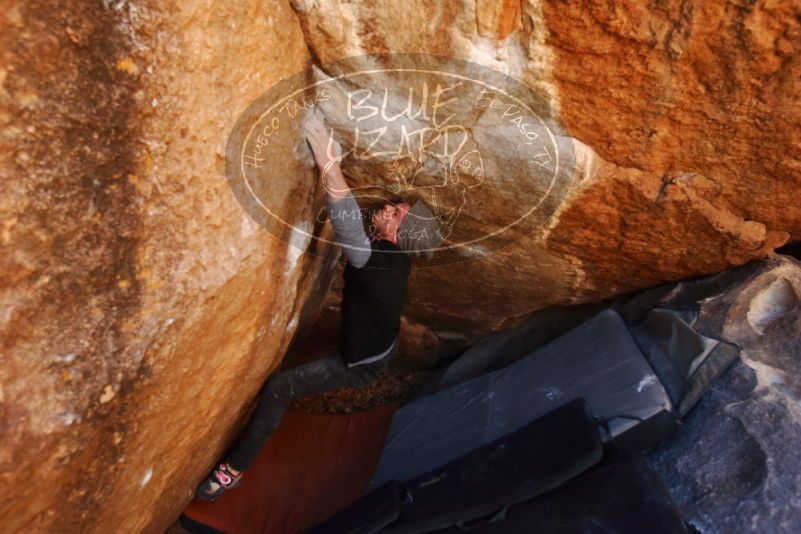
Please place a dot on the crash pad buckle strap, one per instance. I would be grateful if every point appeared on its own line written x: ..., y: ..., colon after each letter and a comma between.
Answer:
x: 467, y: 526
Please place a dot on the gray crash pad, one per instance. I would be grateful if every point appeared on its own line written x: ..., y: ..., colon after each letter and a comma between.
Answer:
x: 598, y: 361
x: 686, y: 362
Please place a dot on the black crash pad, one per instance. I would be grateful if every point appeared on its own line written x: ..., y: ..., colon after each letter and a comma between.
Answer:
x: 533, y: 460
x: 686, y: 362
x: 621, y: 495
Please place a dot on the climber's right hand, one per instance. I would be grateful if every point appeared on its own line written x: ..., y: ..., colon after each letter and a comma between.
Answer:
x: 325, y: 148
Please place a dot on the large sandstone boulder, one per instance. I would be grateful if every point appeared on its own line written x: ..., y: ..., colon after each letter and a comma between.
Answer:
x: 684, y: 119
x: 140, y: 307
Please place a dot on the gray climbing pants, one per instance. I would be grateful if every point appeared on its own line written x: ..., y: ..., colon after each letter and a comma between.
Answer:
x: 283, y: 387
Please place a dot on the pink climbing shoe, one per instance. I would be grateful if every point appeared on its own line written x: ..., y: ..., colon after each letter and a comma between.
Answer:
x: 217, y: 482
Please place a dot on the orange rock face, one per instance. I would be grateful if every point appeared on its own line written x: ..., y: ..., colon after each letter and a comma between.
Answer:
x: 685, y: 120
x: 697, y: 106
x: 141, y: 307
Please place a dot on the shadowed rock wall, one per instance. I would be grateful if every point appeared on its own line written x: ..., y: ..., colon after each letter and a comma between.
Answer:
x: 734, y: 466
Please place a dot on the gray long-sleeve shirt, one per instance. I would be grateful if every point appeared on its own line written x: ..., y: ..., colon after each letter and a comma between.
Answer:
x: 346, y: 216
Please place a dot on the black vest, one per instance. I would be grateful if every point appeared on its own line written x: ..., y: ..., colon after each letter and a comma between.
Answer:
x: 372, y: 302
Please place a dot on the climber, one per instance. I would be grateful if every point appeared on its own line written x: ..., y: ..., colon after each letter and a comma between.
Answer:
x: 375, y: 278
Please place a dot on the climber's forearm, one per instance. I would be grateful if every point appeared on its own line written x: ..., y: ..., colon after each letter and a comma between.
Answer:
x: 335, y: 184
x: 346, y: 218
x: 326, y: 152
x: 342, y: 207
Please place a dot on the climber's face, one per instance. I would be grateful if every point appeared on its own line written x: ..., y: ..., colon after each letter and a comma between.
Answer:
x: 387, y: 220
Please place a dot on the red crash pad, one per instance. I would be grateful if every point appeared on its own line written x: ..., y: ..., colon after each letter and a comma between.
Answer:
x: 313, y: 466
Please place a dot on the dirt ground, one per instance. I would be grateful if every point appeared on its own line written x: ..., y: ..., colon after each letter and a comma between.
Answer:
x: 398, y: 385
